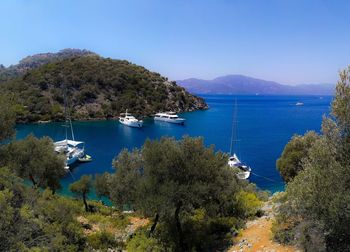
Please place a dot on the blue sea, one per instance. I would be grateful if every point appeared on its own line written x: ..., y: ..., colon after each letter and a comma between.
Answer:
x: 265, y: 124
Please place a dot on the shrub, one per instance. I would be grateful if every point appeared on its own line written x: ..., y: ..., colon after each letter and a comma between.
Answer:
x: 102, y: 240
x: 141, y: 243
x: 247, y: 203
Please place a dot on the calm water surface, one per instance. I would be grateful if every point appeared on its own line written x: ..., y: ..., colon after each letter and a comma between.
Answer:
x: 265, y: 125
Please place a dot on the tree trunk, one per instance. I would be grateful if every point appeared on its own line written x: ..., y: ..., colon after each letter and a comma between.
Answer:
x: 32, y: 179
x: 179, y: 228
x: 85, y: 203
x: 156, y: 218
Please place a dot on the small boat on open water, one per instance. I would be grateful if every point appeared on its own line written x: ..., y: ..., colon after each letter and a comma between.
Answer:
x: 86, y: 158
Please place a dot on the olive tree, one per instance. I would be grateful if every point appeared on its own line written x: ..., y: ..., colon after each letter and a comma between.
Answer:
x: 7, y: 119
x: 290, y: 162
x: 35, y: 159
x: 315, y: 212
x: 81, y: 188
x: 101, y: 184
x: 168, y: 179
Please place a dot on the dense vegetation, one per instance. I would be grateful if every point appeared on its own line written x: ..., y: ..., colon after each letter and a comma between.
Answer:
x: 7, y: 119
x: 290, y: 162
x: 195, y: 200
x: 184, y: 197
x: 315, y: 208
x: 96, y: 87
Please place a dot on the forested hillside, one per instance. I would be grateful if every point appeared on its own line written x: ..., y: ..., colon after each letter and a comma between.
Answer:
x: 96, y: 87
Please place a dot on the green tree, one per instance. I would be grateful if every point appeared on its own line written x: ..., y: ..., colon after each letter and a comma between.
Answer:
x: 124, y: 185
x: 7, y: 119
x: 141, y: 242
x: 168, y: 179
x: 290, y: 162
x: 315, y: 210
x: 81, y: 188
x: 340, y: 105
x: 36, y: 160
x: 247, y: 203
x: 101, y: 184
x: 32, y: 220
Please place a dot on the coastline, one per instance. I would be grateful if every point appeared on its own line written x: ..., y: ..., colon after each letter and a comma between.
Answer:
x: 113, y: 118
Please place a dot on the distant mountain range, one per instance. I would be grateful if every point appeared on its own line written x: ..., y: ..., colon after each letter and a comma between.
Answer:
x: 240, y: 84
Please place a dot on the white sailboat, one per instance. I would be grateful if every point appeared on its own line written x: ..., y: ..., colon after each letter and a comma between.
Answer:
x: 73, y: 150
x: 234, y: 162
x: 129, y: 120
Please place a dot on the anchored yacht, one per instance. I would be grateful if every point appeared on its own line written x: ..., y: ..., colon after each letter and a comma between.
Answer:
x: 233, y: 161
x: 170, y: 117
x: 129, y: 120
x: 73, y: 150
x: 245, y: 170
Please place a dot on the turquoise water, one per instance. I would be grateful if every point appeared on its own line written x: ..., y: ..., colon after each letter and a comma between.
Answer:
x: 265, y: 125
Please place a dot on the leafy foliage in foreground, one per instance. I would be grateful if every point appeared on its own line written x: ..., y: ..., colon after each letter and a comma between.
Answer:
x: 197, y: 203
x: 34, y: 159
x: 97, y: 88
x: 32, y: 220
x: 195, y: 200
x: 290, y: 162
x: 40, y: 221
x: 35, y: 220
x: 315, y: 210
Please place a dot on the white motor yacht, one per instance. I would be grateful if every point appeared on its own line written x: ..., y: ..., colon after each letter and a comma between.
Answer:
x: 129, y: 120
x: 170, y: 117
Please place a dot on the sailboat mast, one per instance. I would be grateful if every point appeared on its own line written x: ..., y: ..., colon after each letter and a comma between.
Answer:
x: 71, y: 129
x: 68, y: 120
x: 234, y: 128
x: 65, y: 111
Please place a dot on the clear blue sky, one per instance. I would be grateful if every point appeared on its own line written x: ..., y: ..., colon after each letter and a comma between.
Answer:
x: 289, y: 41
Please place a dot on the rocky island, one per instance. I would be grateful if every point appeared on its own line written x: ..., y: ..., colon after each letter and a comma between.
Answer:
x: 96, y: 87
